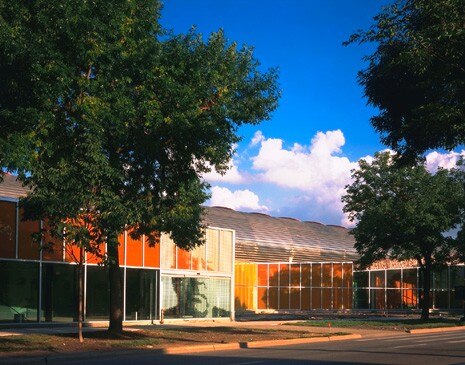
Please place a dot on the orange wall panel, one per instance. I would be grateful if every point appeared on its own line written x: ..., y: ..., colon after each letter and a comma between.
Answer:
x: 152, y: 254
x: 316, y: 298
x: 316, y: 275
x: 283, y: 274
x: 184, y: 259
x: 337, y: 275
x: 96, y: 259
x: 295, y: 275
x: 7, y: 229
x: 262, y: 298
x: 27, y: 247
x: 284, y: 298
x: 295, y: 298
x: 72, y: 253
x: 327, y: 302
x: 306, y: 298
x: 121, y: 249
x: 306, y: 275
x: 133, y: 250
x: 53, y: 247
x: 273, y: 274
x: 273, y: 298
x: 262, y: 275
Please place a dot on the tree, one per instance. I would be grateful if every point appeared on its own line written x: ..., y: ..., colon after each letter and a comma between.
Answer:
x: 104, y: 113
x: 416, y: 75
x: 403, y: 213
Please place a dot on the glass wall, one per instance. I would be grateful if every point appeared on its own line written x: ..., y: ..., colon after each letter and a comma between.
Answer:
x: 141, y: 294
x: 215, y: 255
x: 97, y: 293
x: 19, y: 289
x: 193, y: 297
x: 302, y: 286
x: 401, y: 288
x: 59, y: 293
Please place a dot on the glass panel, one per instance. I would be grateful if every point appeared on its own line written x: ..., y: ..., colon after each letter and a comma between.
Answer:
x: 361, y: 279
x: 283, y: 298
x: 337, y: 298
x: 361, y: 299
x: 456, y: 276
x: 27, y: 247
x: 441, y: 299
x: 295, y: 275
x: 141, y: 298
x: 262, y: 275
x: 327, y: 275
x: 377, y: 279
x: 19, y: 288
x: 273, y: 298
x: 226, y: 260
x: 316, y: 276
x: 393, y: 278
x: 377, y: 299
x: 273, y: 274
x: 347, y: 298
x: 98, y: 293
x: 59, y: 293
x: 306, y: 298
x: 316, y: 298
x: 295, y: 298
x: 409, y: 278
x: 7, y: 229
x: 348, y: 275
x: 327, y: 301
x: 262, y: 298
x: 393, y: 299
x: 198, y: 258
x: 306, y: 275
x: 168, y: 252
x: 213, y: 246
x: 196, y: 297
x: 283, y: 274
x: 409, y: 298
x: 440, y: 279
x: 184, y: 259
x: 337, y: 275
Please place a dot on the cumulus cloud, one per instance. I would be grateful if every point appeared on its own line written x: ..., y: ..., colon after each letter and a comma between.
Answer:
x: 238, y: 199
x: 232, y: 176
x: 449, y: 160
x: 317, y: 170
x: 257, y: 138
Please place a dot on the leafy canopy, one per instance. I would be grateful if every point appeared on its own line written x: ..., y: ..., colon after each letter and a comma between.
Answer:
x: 103, y: 112
x: 403, y: 213
x: 416, y: 75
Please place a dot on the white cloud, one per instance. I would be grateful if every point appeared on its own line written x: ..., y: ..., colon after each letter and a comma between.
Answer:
x: 238, y: 199
x: 257, y: 138
x: 233, y: 175
x: 445, y: 160
x: 317, y: 170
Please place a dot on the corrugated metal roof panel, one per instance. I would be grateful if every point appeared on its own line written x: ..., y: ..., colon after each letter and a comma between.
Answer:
x: 262, y: 238
x: 11, y: 187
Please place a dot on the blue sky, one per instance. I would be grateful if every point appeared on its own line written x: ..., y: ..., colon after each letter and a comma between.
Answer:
x: 300, y: 160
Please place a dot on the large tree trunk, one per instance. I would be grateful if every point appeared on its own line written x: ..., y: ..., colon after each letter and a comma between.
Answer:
x: 81, y: 293
x: 426, y: 289
x: 116, y: 288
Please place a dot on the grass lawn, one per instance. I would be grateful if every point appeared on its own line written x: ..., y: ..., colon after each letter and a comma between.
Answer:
x: 143, y: 339
x: 386, y: 324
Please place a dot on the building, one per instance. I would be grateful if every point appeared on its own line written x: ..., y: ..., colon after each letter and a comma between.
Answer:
x: 250, y: 262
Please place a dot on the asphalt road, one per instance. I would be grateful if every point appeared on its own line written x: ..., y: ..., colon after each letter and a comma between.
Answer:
x: 435, y: 349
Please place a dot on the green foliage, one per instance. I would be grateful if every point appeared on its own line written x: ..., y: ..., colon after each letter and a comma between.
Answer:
x: 102, y: 112
x: 416, y: 75
x: 403, y: 212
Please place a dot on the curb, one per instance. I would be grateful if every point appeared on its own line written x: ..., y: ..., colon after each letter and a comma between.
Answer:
x: 435, y: 330
x: 255, y: 344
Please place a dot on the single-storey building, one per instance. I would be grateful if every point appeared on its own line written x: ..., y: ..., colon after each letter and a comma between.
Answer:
x: 251, y: 261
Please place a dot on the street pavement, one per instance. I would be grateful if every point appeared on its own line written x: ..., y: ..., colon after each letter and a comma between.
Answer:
x: 403, y: 348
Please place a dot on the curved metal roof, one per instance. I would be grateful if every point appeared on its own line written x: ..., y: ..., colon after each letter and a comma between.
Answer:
x: 261, y: 238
